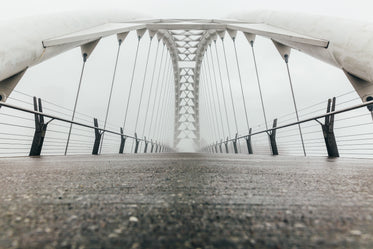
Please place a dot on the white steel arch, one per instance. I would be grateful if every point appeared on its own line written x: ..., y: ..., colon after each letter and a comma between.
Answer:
x: 342, y: 43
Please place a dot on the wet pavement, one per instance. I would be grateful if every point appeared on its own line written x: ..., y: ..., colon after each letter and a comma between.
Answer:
x: 185, y: 201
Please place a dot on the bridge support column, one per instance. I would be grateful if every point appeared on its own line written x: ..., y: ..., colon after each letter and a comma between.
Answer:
x: 40, y: 130
x: 98, y: 135
x: 248, y: 142
x: 235, y: 144
x: 137, y: 142
x: 328, y: 130
x: 272, y: 139
x: 122, y: 141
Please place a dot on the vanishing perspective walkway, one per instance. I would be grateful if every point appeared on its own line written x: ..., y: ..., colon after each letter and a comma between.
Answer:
x: 185, y: 201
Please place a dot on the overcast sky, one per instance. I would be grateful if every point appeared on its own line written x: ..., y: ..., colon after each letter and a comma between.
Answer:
x: 358, y: 9
x: 314, y: 81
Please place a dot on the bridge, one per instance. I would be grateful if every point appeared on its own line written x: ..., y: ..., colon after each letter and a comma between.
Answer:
x: 184, y: 148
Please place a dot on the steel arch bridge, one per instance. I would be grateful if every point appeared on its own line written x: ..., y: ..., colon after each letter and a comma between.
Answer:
x: 187, y: 41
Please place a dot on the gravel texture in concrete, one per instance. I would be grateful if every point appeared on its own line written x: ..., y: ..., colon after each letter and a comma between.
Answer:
x: 185, y: 201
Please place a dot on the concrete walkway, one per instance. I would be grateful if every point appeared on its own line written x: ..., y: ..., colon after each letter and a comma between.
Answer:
x: 185, y: 201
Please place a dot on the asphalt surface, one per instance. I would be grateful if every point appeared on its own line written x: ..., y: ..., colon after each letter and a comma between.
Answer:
x: 185, y: 201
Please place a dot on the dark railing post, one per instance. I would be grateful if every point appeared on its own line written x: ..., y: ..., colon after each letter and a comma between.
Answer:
x: 122, y: 141
x: 216, y: 147
x: 221, y: 146
x: 226, y: 146
x: 137, y: 142
x: 272, y: 138
x: 40, y: 130
x: 152, y: 148
x: 156, y: 147
x: 328, y: 131
x: 98, y: 134
x: 146, y: 145
x: 235, y: 144
x: 248, y: 142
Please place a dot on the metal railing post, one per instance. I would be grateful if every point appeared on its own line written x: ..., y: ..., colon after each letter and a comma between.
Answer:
x: 98, y: 134
x: 272, y: 138
x: 328, y: 131
x: 248, y: 142
x: 137, y: 142
x: 40, y: 130
x: 122, y: 141
x: 226, y: 146
x: 152, y: 148
x: 146, y: 145
x: 235, y: 144
x: 221, y: 146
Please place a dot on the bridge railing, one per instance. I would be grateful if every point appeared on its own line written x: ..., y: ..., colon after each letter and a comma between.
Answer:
x: 326, y: 129
x: 88, y: 138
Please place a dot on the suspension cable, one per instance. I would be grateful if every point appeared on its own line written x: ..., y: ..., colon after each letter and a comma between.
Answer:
x: 207, y: 110
x: 111, y: 91
x: 160, y: 94
x: 143, y: 83
x: 212, y: 96
x: 230, y: 85
x: 222, y: 89
x: 239, y: 76
x: 151, y: 88
x: 159, y: 125
x: 132, y: 78
x: 259, y: 86
x: 216, y: 91
x: 156, y: 89
x: 209, y: 102
x: 295, y: 104
x: 76, y: 101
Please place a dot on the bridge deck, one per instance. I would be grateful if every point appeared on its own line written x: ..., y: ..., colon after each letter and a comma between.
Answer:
x: 185, y: 201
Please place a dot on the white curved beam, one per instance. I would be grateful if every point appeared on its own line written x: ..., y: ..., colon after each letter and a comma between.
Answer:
x: 350, y: 47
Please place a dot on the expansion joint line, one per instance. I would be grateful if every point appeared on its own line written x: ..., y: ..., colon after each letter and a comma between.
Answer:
x: 295, y: 104
x: 76, y: 102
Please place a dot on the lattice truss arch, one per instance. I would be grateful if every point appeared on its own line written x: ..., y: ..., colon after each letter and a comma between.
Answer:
x: 187, y: 49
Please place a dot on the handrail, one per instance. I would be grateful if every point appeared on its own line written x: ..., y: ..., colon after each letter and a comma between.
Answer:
x: 65, y: 120
x: 304, y: 120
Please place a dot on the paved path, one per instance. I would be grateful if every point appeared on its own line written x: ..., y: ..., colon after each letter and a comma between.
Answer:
x: 185, y: 201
